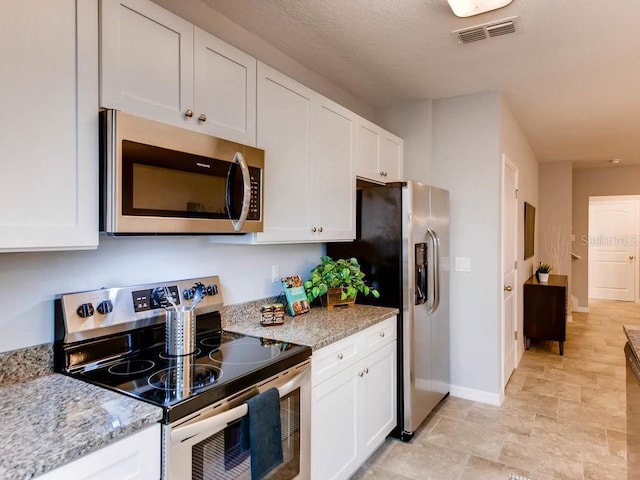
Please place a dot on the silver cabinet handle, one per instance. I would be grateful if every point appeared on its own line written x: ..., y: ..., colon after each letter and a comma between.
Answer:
x: 361, y: 374
x: 382, y: 334
x: 340, y: 356
x: 320, y: 229
x: 314, y: 229
x: 188, y: 113
x: 631, y: 257
x: 366, y: 370
x: 508, y: 288
x: 202, y: 117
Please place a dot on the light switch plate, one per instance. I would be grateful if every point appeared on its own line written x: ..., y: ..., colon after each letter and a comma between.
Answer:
x: 463, y: 264
x: 275, y: 273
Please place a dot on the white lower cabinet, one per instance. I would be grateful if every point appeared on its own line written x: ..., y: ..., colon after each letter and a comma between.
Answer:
x: 136, y: 457
x: 353, y: 404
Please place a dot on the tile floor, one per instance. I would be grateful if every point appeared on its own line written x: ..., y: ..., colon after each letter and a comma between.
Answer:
x: 563, y: 418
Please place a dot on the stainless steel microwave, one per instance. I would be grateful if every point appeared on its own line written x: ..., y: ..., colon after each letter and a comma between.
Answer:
x: 161, y: 179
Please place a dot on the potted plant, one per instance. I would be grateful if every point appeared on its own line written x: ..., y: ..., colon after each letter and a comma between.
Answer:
x: 543, y: 272
x: 340, y: 280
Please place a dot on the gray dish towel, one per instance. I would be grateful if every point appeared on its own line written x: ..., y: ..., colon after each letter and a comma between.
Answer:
x: 261, y: 433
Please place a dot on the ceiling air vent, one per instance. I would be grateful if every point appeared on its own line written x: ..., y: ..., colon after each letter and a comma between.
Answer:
x: 487, y: 30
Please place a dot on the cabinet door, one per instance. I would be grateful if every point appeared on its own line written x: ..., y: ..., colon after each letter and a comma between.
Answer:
x: 225, y: 89
x: 334, y: 417
x: 368, y: 151
x: 333, y: 180
x: 146, y: 61
x: 134, y: 458
x: 376, y: 399
x: 391, y: 157
x: 284, y: 131
x: 49, y: 125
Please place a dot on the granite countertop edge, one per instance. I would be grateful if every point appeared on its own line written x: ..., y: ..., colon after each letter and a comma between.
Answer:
x: 64, y: 420
x: 633, y: 335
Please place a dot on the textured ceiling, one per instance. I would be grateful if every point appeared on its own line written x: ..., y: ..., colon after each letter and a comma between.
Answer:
x: 571, y: 75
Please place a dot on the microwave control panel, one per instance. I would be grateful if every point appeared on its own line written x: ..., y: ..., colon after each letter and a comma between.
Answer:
x: 254, y: 204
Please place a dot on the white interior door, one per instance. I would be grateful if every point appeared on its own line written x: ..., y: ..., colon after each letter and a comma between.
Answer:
x: 509, y: 266
x: 613, y: 229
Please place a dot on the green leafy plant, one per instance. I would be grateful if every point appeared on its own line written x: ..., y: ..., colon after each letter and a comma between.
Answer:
x: 344, y: 274
x: 544, y: 268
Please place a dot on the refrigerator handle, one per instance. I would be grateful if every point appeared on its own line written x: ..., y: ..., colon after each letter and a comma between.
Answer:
x: 421, y: 273
x: 435, y: 267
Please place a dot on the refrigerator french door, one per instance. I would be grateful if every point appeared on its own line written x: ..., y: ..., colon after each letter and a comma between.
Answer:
x: 402, y: 245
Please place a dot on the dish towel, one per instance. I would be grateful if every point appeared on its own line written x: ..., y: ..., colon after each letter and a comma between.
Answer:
x: 261, y: 433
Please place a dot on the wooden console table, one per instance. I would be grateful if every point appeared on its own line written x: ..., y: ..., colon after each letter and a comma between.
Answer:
x: 545, y: 310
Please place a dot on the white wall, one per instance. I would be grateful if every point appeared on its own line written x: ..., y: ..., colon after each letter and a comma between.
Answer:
x: 30, y: 281
x: 466, y: 161
x: 515, y: 146
x: 412, y: 122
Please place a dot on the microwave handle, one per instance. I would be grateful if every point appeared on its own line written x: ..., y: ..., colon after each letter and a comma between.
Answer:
x: 246, y: 184
x: 216, y: 423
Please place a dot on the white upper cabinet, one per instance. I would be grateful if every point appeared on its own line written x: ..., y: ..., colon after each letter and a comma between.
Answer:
x: 157, y: 65
x: 309, y: 145
x: 379, y: 153
x: 49, y: 125
x: 146, y: 60
x: 225, y: 89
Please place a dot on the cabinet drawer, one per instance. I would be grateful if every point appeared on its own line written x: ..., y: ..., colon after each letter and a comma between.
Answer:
x: 379, y: 335
x: 334, y: 358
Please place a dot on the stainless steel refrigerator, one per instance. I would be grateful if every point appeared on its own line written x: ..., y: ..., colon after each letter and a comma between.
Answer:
x: 402, y: 245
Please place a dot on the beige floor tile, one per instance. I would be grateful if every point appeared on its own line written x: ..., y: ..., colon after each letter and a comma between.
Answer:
x: 465, y: 437
x: 501, y: 419
x: 596, y: 367
x: 573, y: 377
x: 607, y: 382
x: 454, y: 407
x: 594, y: 415
x: 573, y: 436
x: 480, y: 468
x: 608, y: 399
x: 424, y: 462
x: 532, y: 402
x: 608, y: 358
x: 617, y: 444
x: 377, y: 473
x: 552, y: 388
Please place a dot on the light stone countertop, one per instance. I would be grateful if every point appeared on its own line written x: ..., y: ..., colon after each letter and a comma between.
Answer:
x: 633, y: 335
x: 317, y: 328
x: 55, y: 419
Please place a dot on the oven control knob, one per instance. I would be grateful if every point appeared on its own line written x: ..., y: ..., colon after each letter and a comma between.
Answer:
x: 85, y: 310
x: 212, y: 289
x: 105, y: 307
x: 187, y: 294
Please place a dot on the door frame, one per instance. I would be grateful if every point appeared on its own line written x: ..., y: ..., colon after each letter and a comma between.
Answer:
x: 506, y: 163
x: 615, y: 199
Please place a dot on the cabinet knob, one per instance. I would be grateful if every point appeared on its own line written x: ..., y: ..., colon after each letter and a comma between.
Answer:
x: 340, y: 356
x: 202, y: 117
x: 320, y: 229
x: 314, y: 229
x: 508, y: 288
x: 188, y: 113
x: 366, y: 370
x: 382, y: 334
x: 631, y: 257
x: 361, y: 374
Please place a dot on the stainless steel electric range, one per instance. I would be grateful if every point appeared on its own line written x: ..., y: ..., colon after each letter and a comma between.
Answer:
x: 115, y: 338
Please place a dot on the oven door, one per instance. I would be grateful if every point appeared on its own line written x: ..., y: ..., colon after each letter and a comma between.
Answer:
x: 206, y: 445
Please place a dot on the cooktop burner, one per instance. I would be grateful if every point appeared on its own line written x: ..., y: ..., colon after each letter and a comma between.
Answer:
x: 186, y: 377
x: 131, y: 367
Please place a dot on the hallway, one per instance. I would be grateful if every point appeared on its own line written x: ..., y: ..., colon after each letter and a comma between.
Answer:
x: 563, y: 418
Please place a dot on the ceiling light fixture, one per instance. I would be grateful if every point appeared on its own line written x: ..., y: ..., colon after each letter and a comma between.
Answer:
x: 468, y: 8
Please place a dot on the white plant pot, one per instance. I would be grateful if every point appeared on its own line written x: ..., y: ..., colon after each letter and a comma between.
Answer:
x: 543, y: 277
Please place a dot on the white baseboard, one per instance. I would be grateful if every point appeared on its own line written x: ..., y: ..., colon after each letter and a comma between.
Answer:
x: 475, y: 395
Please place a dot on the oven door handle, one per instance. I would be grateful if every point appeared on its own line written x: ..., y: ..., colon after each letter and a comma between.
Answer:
x: 216, y: 423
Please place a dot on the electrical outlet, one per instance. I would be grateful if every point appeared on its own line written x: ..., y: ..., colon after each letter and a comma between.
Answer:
x: 275, y: 273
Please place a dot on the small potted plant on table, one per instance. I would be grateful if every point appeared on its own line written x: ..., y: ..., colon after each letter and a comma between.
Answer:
x: 338, y: 280
x: 543, y: 272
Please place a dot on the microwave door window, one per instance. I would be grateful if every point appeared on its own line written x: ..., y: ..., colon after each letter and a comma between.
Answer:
x: 165, y: 183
